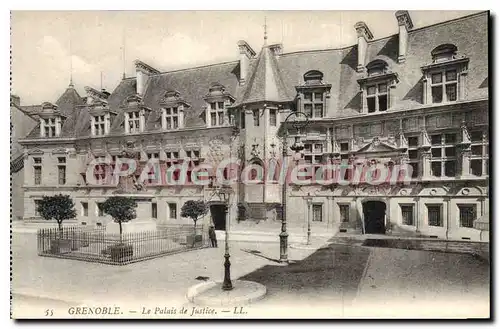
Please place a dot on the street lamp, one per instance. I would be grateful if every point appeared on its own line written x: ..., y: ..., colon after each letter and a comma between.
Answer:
x: 300, y: 121
x: 309, y: 202
x: 226, y: 285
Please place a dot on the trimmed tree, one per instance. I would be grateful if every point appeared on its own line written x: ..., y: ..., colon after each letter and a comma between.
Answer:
x: 59, y: 207
x: 194, y: 209
x: 121, y: 209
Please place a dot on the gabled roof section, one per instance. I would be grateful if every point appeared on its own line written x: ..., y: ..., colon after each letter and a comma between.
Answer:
x: 265, y: 83
x: 68, y: 101
x: 126, y: 88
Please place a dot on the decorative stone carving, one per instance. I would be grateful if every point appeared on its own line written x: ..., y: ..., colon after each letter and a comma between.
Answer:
x: 410, y: 124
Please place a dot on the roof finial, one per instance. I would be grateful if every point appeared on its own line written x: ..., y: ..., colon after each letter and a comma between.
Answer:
x: 265, y: 30
x: 70, y: 60
x: 123, y: 51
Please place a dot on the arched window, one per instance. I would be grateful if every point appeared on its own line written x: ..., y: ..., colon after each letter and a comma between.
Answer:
x: 376, y: 67
x: 313, y: 77
x: 256, y: 171
x: 444, y: 52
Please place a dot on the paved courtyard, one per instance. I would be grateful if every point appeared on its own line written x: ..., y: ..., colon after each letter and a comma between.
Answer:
x: 336, y: 280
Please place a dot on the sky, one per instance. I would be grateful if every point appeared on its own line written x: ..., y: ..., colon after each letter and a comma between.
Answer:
x: 47, y: 45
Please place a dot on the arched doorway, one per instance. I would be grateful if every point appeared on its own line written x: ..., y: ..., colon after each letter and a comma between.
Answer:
x: 374, y: 217
x: 217, y: 211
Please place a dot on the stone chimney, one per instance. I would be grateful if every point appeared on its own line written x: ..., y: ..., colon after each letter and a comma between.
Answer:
x: 364, y: 35
x: 246, y: 54
x: 405, y: 24
x: 276, y: 49
x: 142, y: 72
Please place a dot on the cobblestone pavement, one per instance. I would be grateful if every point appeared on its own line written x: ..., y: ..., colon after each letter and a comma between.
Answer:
x: 334, y: 281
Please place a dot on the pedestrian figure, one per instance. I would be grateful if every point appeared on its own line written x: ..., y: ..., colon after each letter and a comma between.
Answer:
x: 212, y: 236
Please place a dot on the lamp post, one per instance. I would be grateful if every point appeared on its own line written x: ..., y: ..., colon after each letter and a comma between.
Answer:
x: 309, y: 202
x: 300, y: 121
x: 226, y: 285
x: 225, y: 194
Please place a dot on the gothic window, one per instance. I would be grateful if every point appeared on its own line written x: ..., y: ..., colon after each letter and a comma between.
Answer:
x: 257, y: 171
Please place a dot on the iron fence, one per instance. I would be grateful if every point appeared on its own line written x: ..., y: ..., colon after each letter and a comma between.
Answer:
x: 95, y: 245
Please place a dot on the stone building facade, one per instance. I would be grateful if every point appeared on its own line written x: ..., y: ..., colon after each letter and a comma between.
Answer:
x: 419, y: 97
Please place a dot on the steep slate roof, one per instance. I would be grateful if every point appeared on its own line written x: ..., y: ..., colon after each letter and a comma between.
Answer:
x: 68, y: 100
x: 192, y: 84
x: 273, y: 78
x: 68, y: 104
x: 265, y: 82
x: 126, y: 88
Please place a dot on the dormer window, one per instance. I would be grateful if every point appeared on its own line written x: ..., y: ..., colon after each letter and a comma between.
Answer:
x: 135, y: 115
x: 173, y: 107
x: 217, y: 100
x: 444, y: 83
x: 134, y: 119
x: 445, y: 78
x: 313, y: 95
x: 313, y: 104
x: 99, y: 125
x: 376, y: 87
x: 217, y: 113
x: 49, y: 127
x: 442, y: 53
x: 171, y: 118
x: 313, y: 78
x: 376, y: 97
x: 51, y: 121
x: 100, y: 121
x: 377, y: 67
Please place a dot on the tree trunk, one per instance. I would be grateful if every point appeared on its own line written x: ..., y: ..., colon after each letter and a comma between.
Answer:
x: 59, y: 224
x: 194, y: 236
x: 120, y: 224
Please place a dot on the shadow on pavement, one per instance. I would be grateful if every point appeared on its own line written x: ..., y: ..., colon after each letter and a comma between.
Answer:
x: 259, y: 254
x: 331, y: 273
